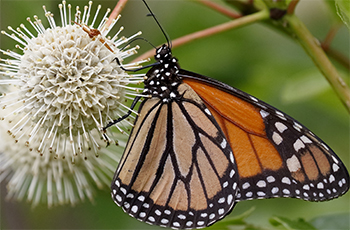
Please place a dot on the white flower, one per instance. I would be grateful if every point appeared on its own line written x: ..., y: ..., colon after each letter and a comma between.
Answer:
x: 64, y: 88
x: 44, y: 179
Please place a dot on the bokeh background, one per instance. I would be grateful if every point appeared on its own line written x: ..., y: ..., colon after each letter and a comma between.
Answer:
x: 255, y: 59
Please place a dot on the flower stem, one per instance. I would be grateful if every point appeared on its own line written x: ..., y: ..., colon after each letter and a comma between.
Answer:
x: 315, y: 51
x: 221, y: 9
x: 116, y: 11
x: 259, y: 16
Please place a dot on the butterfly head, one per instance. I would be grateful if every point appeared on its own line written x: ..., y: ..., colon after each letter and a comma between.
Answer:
x: 162, y: 79
x: 163, y: 54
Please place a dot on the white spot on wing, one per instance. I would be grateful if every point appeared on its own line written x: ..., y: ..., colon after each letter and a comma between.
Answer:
x: 126, y: 205
x: 130, y: 195
x: 270, y: 179
x: 280, y: 115
x: 167, y: 212
x: 232, y: 159
x: 298, y: 144
x: 245, y: 185
x: 234, y: 186
x: 293, y: 164
x: 223, y: 143
x: 254, y: 99
x: 164, y: 221
x: 123, y: 190
x: 249, y: 194
x: 229, y: 199
x: 286, y: 180
x: 206, y: 110
x: 274, y: 190
x: 277, y: 138
x: 305, y: 139
x: 158, y: 213
x: 263, y: 113
x: 232, y: 173
x: 335, y: 167
x: 261, y: 194
x: 320, y: 185
x: 199, y: 223
x: 297, y: 126
x: 335, y: 159
x: 134, y: 209
x: 281, y: 127
x: 261, y: 184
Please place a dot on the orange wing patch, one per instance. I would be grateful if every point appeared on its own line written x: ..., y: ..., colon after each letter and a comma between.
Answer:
x: 233, y: 109
x: 244, y: 128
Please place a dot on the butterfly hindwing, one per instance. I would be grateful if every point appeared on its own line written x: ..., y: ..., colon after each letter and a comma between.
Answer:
x: 178, y: 169
x: 275, y: 155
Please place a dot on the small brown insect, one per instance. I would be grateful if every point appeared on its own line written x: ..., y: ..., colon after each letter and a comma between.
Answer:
x: 93, y: 34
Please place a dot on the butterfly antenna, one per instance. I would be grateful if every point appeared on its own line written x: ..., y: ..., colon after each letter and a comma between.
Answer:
x: 141, y: 38
x: 159, y: 25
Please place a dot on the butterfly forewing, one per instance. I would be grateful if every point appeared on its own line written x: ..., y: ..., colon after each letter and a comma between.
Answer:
x: 275, y: 155
x: 178, y: 169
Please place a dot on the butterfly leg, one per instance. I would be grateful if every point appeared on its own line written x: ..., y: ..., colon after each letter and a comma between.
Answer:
x: 124, y: 116
x: 134, y: 70
x: 119, y: 119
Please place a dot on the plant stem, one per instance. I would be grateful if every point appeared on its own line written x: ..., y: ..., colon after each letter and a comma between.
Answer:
x: 292, y: 6
x: 242, y: 21
x: 221, y: 9
x: 116, y: 11
x: 315, y: 51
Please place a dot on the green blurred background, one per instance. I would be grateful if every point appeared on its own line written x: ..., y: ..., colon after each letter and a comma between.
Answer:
x: 255, y: 59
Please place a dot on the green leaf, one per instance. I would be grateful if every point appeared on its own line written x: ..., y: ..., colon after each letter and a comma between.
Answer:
x: 303, y: 86
x: 334, y: 221
x: 288, y: 224
x: 236, y: 222
x: 343, y: 10
x: 333, y: 11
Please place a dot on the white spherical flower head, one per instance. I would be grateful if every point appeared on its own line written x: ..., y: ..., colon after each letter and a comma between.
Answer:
x: 68, y: 81
x: 56, y: 95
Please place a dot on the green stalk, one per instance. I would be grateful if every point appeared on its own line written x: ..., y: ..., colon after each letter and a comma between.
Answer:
x: 236, y: 23
x: 314, y: 50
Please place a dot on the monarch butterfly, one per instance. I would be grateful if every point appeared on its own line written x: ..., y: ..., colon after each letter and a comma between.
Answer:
x: 198, y: 146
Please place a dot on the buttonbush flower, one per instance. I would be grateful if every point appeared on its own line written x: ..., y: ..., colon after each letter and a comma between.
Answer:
x: 58, y: 91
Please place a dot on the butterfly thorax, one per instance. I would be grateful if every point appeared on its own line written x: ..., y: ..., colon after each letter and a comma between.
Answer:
x: 162, y: 79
